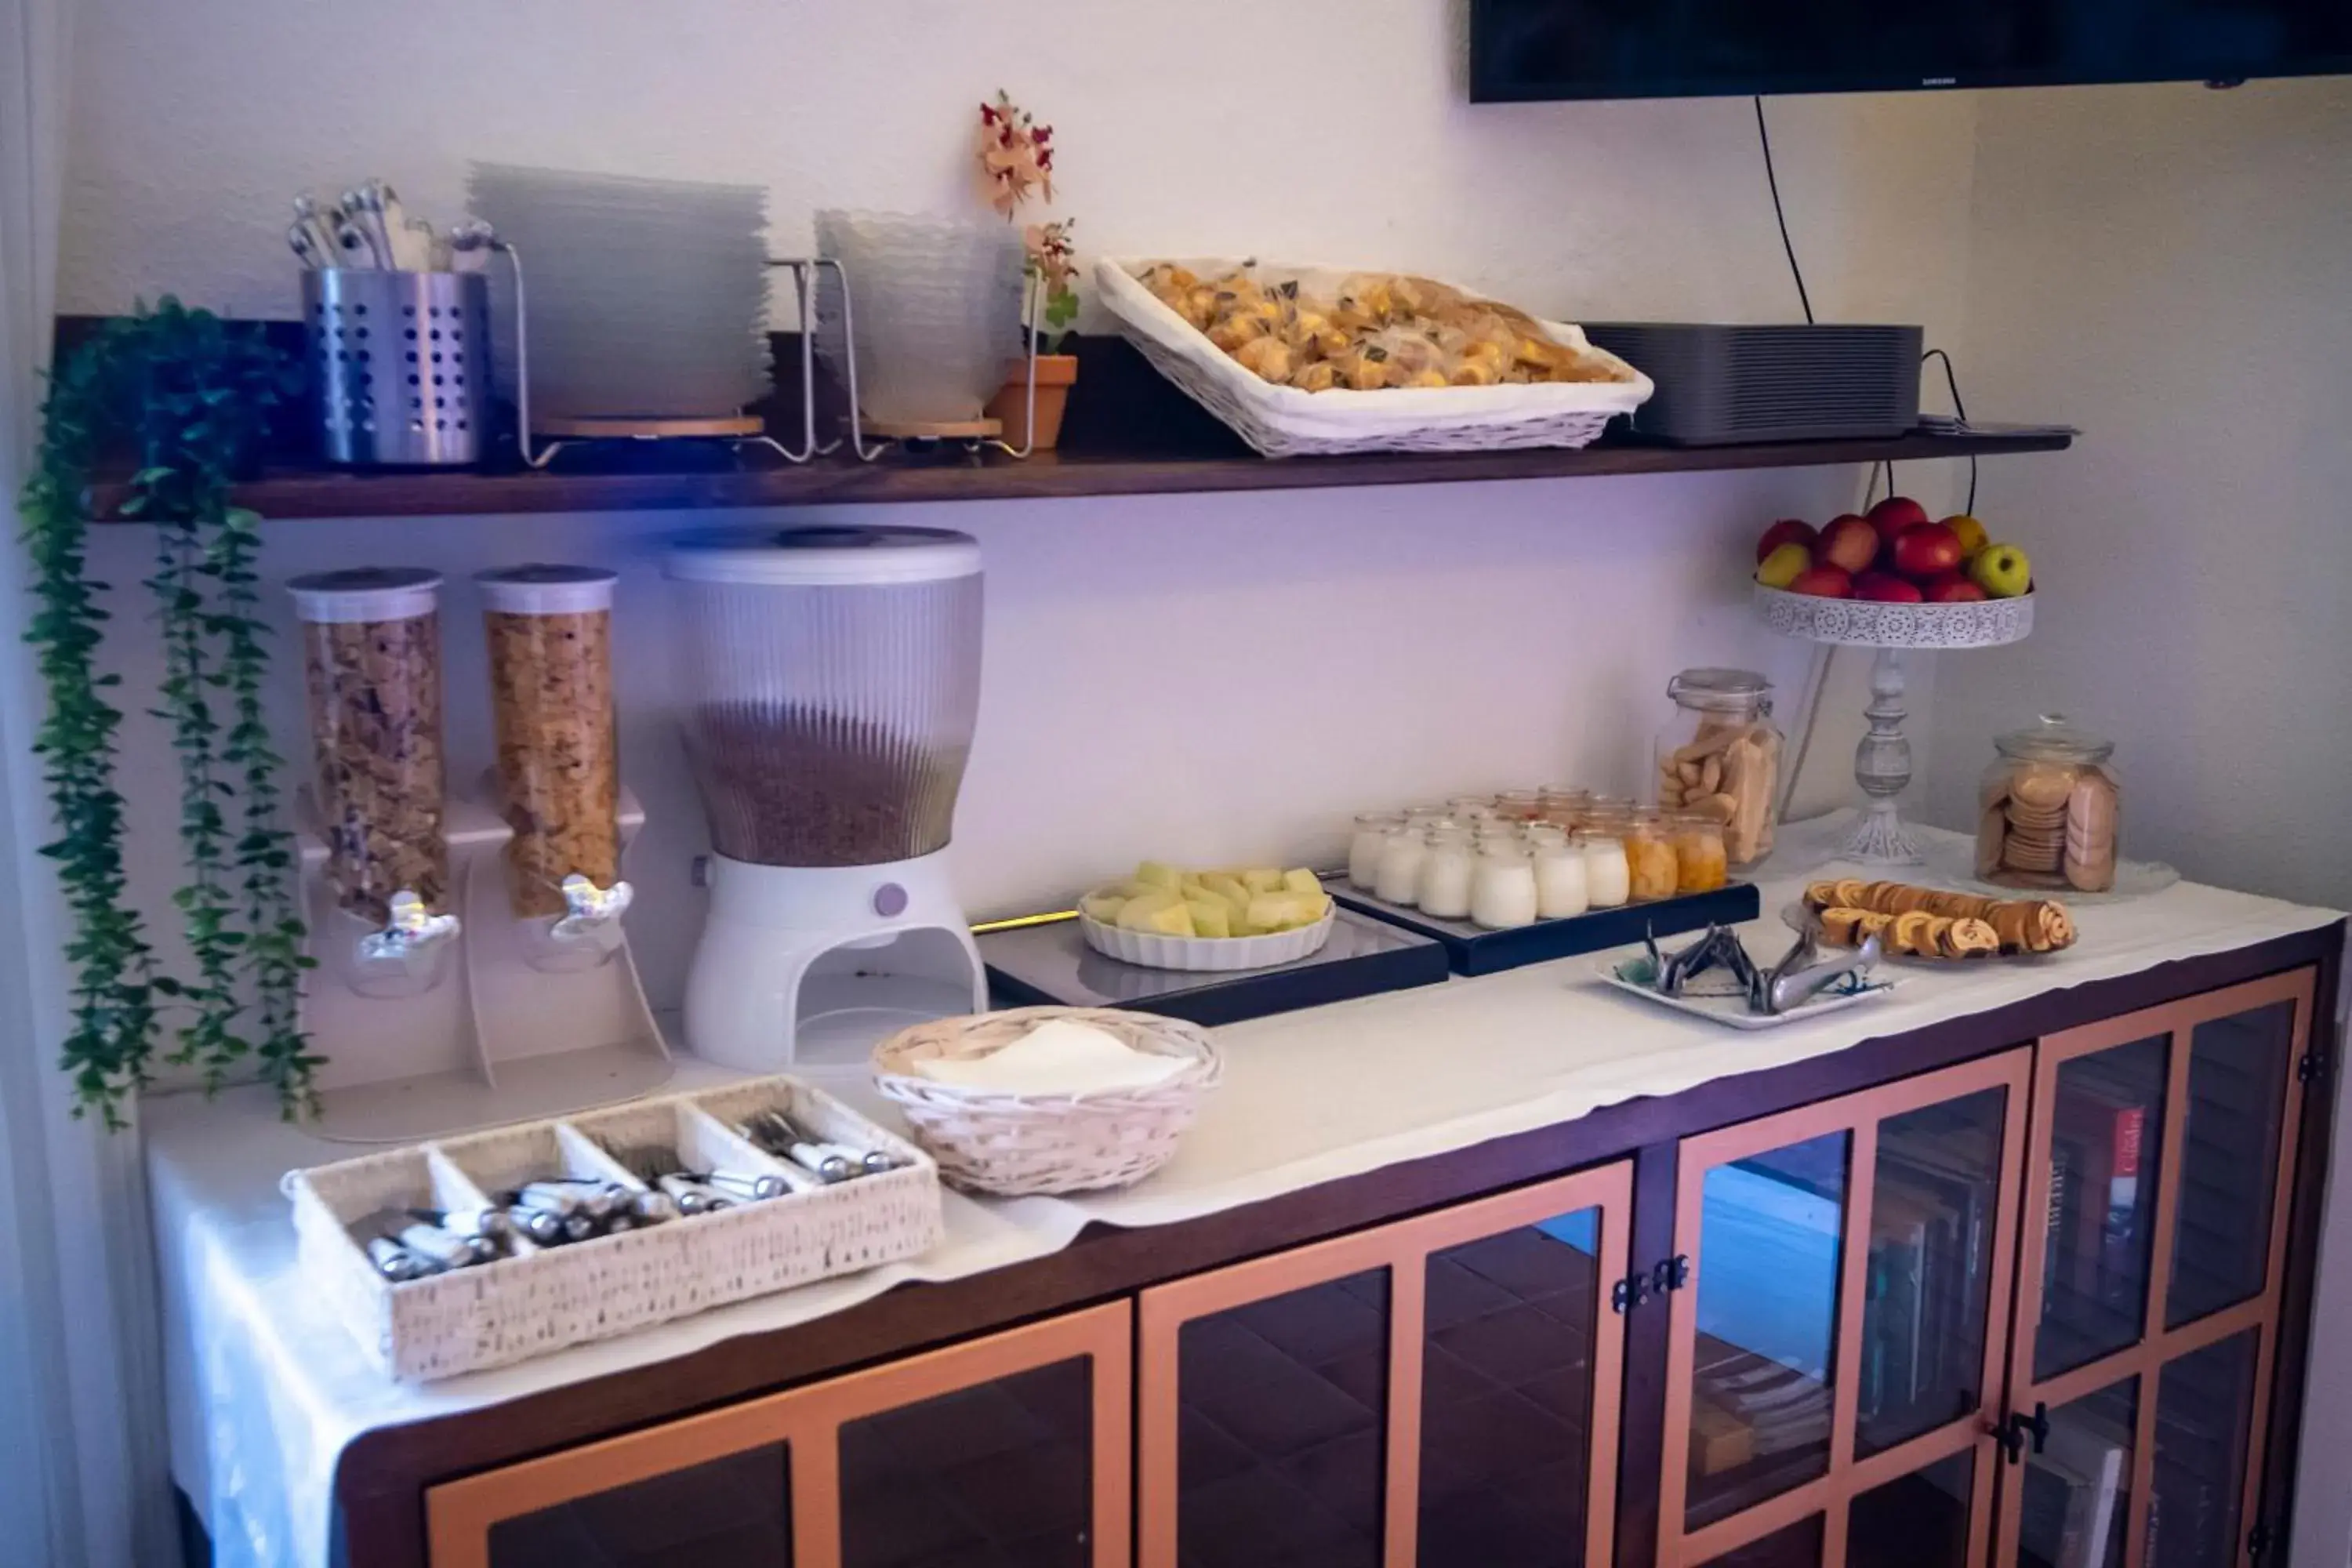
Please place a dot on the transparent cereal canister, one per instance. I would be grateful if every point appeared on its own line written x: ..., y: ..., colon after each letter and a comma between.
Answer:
x: 372, y: 667
x: 549, y: 632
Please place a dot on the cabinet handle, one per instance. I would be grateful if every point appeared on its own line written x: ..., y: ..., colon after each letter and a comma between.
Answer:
x: 2012, y: 1431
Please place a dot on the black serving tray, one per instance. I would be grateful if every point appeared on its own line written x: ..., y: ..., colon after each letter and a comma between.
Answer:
x: 1050, y: 964
x: 1473, y: 950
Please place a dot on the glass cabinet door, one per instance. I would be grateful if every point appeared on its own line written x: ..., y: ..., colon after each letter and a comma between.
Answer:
x: 2150, y: 1280
x: 1844, y: 1326
x: 1010, y: 1450
x: 1442, y: 1390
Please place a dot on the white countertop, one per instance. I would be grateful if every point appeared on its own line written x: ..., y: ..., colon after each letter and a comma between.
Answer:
x: 265, y: 1390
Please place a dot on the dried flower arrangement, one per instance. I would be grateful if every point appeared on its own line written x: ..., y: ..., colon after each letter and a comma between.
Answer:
x: 1016, y: 163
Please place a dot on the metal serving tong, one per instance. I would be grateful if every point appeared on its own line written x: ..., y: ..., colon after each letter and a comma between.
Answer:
x: 1800, y: 975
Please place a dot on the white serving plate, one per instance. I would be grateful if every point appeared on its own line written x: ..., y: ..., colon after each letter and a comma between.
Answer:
x: 1207, y: 953
x: 1868, y: 623
x: 1732, y: 1011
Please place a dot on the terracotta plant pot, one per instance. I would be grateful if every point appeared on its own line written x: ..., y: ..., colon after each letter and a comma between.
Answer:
x: 1056, y: 375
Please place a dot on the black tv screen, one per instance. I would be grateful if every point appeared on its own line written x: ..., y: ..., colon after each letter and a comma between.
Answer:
x: 1522, y: 49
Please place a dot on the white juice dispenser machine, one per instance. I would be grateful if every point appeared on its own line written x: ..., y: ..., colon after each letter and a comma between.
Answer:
x: 832, y: 680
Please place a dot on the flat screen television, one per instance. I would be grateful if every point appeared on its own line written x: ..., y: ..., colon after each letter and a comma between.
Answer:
x: 1523, y: 50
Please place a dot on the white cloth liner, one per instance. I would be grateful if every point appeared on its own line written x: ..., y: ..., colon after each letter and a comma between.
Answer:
x: 264, y: 1392
x: 1058, y: 1058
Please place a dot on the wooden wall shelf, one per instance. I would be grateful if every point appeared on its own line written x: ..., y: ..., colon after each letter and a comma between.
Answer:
x: 289, y: 494
x: 1128, y: 432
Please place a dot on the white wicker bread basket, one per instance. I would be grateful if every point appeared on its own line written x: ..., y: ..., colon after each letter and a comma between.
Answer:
x: 541, y: 1300
x: 1016, y: 1145
x: 1285, y: 422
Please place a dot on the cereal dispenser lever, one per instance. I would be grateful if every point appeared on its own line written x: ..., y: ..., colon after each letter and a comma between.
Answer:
x: 591, y: 912
x: 408, y: 954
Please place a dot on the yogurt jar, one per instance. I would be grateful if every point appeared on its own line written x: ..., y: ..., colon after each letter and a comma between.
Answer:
x: 1503, y: 891
x: 1446, y: 875
x: 1373, y: 829
x: 1608, y: 876
x: 1397, y: 879
x: 1561, y: 881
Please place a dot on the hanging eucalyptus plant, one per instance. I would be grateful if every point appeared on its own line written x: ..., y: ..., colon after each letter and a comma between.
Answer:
x: 186, y: 398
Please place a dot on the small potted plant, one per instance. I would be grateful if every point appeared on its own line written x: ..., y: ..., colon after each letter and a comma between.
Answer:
x: 1016, y: 165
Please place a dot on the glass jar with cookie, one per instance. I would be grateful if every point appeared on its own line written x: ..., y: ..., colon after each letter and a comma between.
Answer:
x: 1719, y: 755
x: 2049, y: 812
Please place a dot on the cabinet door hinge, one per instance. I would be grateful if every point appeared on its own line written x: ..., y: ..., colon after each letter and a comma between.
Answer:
x: 2311, y: 1067
x: 1629, y: 1292
x: 1671, y: 1274
x: 2012, y: 1431
x: 2259, y: 1541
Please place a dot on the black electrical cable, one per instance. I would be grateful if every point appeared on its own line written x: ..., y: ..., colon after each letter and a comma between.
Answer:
x: 1773, y: 180
x: 1961, y: 410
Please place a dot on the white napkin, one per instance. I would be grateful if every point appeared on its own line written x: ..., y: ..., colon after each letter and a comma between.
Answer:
x: 1057, y: 1057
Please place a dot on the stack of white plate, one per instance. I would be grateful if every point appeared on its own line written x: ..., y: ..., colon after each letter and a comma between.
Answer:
x: 647, y: 297
x: 937, y: 304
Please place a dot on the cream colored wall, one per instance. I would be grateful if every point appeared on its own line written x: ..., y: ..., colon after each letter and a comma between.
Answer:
x: 1201, y: 677
x: 2171, y: 267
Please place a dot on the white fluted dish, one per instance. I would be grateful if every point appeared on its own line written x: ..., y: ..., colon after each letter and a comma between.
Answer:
x: 1212, y: 955
x: 1868, y: 623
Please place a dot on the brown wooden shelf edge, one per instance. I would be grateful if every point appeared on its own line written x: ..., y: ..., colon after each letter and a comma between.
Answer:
x: 294, y: 494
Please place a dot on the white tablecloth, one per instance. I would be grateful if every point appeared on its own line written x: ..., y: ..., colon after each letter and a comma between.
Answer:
x: 265, y: 1390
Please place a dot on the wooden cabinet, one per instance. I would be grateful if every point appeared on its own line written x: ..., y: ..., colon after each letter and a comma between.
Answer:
x: 1842, y: 1325
x: 2031, y: 1307
x: 1851, y: 1381
x: 1440, y: 1390
x: 2152, y: 1278
x: 1010, y: 1451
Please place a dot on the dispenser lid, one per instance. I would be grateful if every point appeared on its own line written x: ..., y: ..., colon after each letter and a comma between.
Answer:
x: 365, y: 594
x: 544, y: 589
x: 825, y: 555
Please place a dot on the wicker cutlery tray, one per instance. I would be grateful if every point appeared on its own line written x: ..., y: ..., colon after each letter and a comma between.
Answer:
x: 543, y: 1298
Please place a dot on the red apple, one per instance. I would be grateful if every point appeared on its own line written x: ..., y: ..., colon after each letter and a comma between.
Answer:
x: 1823, y: 582
x: 1788, y: 530
x: 1952, y: 588
x: 1849, y: 542
x: 1886, y: 589
x: 1895, y: 516
x: 1930, y: 550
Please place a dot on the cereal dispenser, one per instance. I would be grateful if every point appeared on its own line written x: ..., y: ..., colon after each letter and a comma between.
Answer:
x: 472, y: 967
x: 831, y: 680
x: 550, y: 633
x: 372, y: 670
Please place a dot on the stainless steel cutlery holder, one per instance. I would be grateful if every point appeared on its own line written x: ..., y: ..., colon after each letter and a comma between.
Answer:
x: 403, y: 366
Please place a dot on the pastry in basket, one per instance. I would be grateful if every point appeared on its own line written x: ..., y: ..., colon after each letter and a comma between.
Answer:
x: 1377, y: 331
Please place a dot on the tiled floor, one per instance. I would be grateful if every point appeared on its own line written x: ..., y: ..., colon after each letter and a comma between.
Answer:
x: 1506, y: 1370
x: 994, y: 1477
x: 1282, y: 1413
x: 734, y: 1512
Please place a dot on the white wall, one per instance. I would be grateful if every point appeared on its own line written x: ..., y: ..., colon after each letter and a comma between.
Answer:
x: 2172, y: 269
x: 1206, y: 677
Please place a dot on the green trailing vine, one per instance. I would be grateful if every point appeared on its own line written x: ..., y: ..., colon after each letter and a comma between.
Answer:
x: 188, y: 397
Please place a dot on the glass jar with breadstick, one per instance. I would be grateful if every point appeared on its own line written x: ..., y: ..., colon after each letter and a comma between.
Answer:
x: 1719, y: 756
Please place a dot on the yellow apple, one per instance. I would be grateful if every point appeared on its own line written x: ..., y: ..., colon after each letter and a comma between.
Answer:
x: 1973, y: 537
x: 1781, y: 568
x: 2002, y: 570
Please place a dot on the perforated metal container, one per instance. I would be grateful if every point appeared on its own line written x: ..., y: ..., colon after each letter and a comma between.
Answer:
x: 403, y: 366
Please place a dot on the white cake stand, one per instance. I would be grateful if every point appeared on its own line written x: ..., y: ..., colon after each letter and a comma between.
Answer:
x: 1881, y: 762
